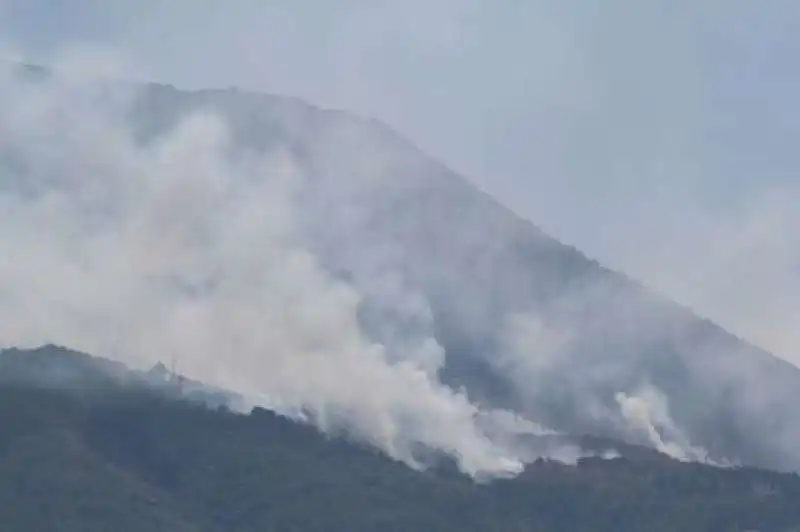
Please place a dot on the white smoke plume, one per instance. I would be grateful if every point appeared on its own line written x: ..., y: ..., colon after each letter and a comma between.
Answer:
x: 540, y: 352
x: 182, y: 248
x: 647, y: 413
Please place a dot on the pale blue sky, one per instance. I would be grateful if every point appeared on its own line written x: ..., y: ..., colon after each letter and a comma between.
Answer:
x: 659, y: 136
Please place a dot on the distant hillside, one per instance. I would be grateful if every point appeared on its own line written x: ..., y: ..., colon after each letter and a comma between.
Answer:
x: 126, y: 456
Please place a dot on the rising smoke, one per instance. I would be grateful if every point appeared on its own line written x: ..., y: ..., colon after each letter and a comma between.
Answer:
x: 185, y: 247
x: 539, y: 352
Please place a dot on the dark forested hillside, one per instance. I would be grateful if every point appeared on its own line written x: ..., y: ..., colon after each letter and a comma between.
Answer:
x: 107, y: 449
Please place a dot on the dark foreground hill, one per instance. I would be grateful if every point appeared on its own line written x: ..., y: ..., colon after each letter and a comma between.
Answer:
x: 102, y: 448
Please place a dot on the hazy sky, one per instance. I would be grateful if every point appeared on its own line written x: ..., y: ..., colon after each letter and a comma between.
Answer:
x: 659, y: 136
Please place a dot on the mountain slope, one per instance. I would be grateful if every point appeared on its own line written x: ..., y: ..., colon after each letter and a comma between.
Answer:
x: 149, y: 223
x: 527, y: 323
x: 130, y: 457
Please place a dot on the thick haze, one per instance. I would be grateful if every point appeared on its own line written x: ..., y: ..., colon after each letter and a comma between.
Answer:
x: 656, y: 136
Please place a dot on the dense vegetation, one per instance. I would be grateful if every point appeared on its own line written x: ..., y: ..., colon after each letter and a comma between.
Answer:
x: 99, y: 450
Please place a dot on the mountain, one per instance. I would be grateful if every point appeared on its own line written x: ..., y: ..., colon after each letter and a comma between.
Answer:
x: 457, y: 296
x: 120, y: 452
x: 527, y: 323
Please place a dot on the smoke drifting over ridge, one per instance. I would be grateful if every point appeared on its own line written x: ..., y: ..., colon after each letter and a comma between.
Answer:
x: 184, y: 247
